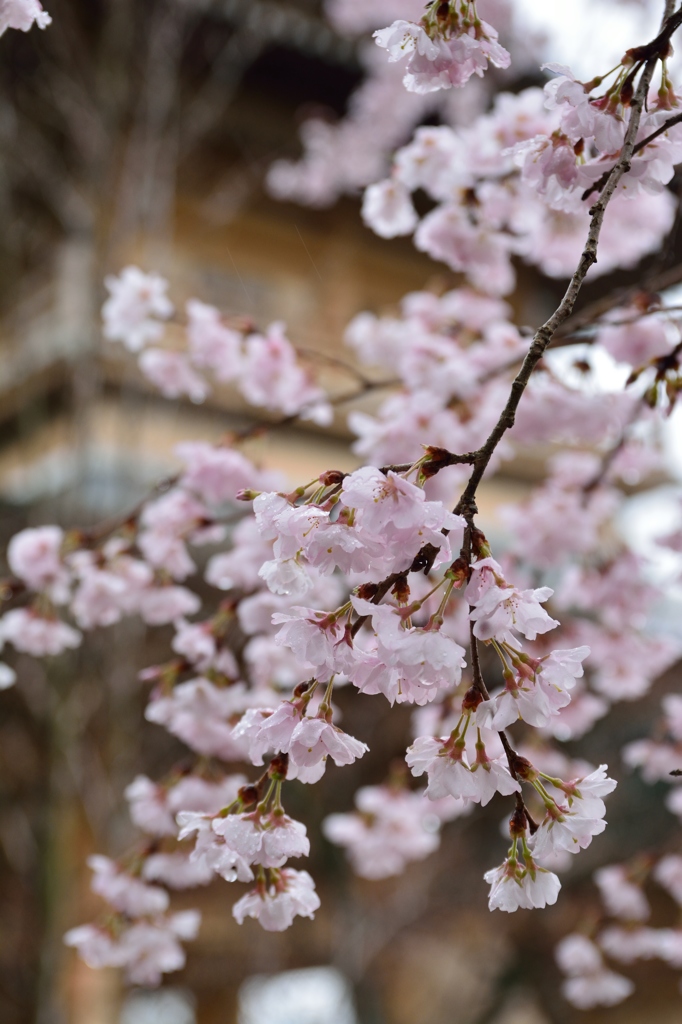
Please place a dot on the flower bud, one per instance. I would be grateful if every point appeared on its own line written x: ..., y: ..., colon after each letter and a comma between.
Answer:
x: 523, y: 768
x: 278, y: 767
x: 517, y: 823
x: 471, y: 699
x: 248, y: 795
x: 479, y: 544
x: 331, y: 477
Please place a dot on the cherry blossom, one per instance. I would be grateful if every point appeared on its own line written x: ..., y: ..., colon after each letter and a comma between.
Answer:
x: 35, y: 557
x: 211, y: 852
x: 176, y: 870
x: 513, y: 887
x: 172, y: 374
x: 447, y: 53
x: 153, y: 807
x: 413, y: 665
x: 136, y: 307
x: 22, y: 15
x: 315, y: 637
x: 570, y: 829
x: 387, y: 208
x: 271, y: 377
x: 314, y: 740
x: 268, y: 840
x: 8, y: 676
x: 36, y: 634
x: 621, y: 897
x: 589, y: 983
x: 291, y: 894
x: 203, y: 715
x: 668, y: 873
x: 391, y: 828
x: 216, y: 474
x: 212, y: 345
x: 106, y: 590
x: 125, y: 893
x: 450, y: 774
x: 498, y: 607
x: 159, y: 605
x: 146, y: 949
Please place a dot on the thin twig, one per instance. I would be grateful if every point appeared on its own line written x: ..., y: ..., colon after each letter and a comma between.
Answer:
x: 659, y: 131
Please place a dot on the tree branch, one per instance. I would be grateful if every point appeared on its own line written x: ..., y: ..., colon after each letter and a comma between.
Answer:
x: 544, y: 335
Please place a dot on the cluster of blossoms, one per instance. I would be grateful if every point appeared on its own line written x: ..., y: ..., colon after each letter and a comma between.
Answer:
x: 627, y: 938
x: 363, y: 528
x: 139, y: 935
x: 494, y: 199
x: 448, y: 46
x: 369, y: 579
x: 265, y: 367
x: 347, y: 155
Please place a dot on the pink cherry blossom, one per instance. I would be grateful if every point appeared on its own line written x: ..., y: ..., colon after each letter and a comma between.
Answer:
x: 638, y: 342
x: 8, y: 676
x: 137, y: 303
x: 668, y: 874
x: 212, y: 345
x: 150, y: 949
x: 22, y: 15
x: 146, y: 949
x: 153, y: 808
x: 578, y: 717
x: 34, y: 556
x: 562, y: 829
x: 216, y: 474
x: 211, y: 852
x: 159, y: 605
x: 392, y: 828
x: 449, y: 773
x: 148, y: 807
x: 274, y: 732
x: 627, y: 944
x: 263, y: 839
x: 239, y: 568
x: 291, y: 894
x: 96, y: 946
x: 203, y: 715
x: 172, y: 374
x: 313, y: 740
x: 272, y: 377
x: 315, y: 637
x: 449, y: 235
x: 125, y: 893
x: 621, y: 897
x: 589, y: 983
x: 35, y: 634
x: 657, y: 760
x: 176, y: 870
x: 435, y: 62
x: 413, y: 665
x: 498, y: 607
x: 104, y: 593
x: 513, y: 887
x: 387, y: 209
